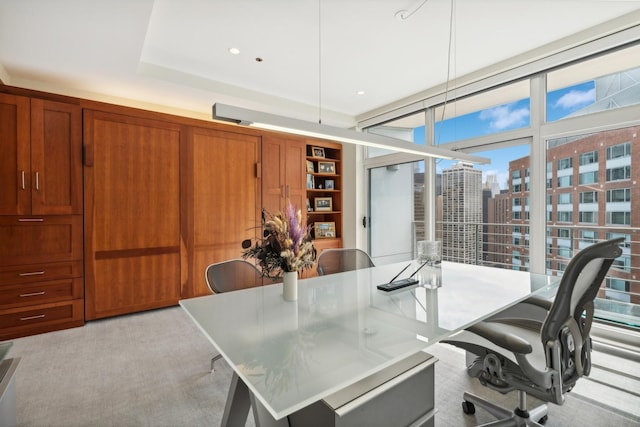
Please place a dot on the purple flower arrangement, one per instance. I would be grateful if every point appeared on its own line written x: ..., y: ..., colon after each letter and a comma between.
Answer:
x: 286, y: 245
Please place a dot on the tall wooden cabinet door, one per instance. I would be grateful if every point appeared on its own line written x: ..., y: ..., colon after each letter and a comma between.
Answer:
x: 225, y: 190
x: 273, y: 173
x: 56, y: 158
x: 283, y: 173
x: 132, y: 214
x: 15, y: 157
x: 296, y: 174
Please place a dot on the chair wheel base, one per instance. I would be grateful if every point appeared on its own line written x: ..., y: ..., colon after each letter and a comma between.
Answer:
x: 468, y: 408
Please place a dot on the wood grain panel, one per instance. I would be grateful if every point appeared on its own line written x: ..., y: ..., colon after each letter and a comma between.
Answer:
x: 136, y: 192
x: 29, y: 240
x: 273, y: 173
x: 15, y: 158
x: 15, y: 274
x: 132, y: 213
x: 38, y: 293
x: 225, y: 191
x: 283, y: 173
x: 56, y: 158
x: 131, y: 284
x: 22, y: 321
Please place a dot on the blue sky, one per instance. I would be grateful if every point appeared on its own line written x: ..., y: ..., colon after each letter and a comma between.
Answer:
x: 514, y: 115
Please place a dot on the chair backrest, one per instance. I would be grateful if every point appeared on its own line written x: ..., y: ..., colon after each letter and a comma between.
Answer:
x: 565, y: 331
x: 333, y: 261
x: 232, y: 275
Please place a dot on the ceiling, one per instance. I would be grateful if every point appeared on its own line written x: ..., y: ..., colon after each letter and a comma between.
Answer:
x: 302, y: 58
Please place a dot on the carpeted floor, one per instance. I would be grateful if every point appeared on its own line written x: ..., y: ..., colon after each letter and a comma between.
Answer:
x: 152, y: 369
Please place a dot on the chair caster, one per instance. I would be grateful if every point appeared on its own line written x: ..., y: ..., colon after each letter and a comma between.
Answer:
x: 543, y: 420
x: 468, y: 408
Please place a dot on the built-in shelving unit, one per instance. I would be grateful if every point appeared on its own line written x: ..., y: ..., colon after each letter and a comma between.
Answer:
x: 324, y: 193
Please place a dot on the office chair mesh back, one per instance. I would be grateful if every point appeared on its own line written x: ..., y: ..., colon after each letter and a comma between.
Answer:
x: 570, y: 316
x: 333, y: 261
x: 232, y: 275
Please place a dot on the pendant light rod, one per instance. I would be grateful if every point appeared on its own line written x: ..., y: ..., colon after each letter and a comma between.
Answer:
x: 267, y: 121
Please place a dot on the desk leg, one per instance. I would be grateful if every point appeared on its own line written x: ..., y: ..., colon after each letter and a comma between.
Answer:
x: 236, y: 409
x: 262, y: 417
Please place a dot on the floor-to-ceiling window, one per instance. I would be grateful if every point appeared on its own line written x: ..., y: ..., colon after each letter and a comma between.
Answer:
x: 565, y: 156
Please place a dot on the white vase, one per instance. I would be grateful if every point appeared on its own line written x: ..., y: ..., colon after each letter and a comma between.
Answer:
x: 290, y: 286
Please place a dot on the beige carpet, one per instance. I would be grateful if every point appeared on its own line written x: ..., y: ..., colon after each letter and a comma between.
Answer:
x: 151, y: 369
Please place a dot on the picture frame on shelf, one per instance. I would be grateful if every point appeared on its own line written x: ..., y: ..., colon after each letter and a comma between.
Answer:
x: 310, y: 167
x: 310, y: 182
x: 323, y: 204
x: 329, y: 184
x: 327, y: 167
x: 309, y: 208
x: 317, y: 152
x: 324, y: 230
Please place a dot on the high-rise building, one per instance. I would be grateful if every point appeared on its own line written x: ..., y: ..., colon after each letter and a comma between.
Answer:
x: 592, y: 192
x: 462, y: 214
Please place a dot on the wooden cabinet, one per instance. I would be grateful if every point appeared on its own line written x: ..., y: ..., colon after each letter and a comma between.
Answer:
x: 283, y: 172
x: 42, y: 170
x: 108, y: 210
x: 41, y: 236
x: 41, y: 287
x: 131, y: 213
x: 223, y: 203
x: 15, y: 161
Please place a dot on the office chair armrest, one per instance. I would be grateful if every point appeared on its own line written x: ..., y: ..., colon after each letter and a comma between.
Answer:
x: 539, y: 301
x: 494, y: 333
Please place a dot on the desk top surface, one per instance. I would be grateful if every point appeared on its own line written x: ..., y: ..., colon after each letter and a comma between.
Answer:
x: 342, y: 329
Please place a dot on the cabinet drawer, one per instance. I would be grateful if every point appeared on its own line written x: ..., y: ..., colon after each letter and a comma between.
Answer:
x: 42, y: 318
x: 39, y: 293
x: 16, y: 274
x: 29, y: 240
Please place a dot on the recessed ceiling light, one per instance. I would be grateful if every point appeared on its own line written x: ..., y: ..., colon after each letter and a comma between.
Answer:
x: 234, y: 51
x: 360, y: 92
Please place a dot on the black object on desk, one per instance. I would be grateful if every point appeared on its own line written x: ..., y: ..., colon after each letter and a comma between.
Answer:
x: 402, y: 283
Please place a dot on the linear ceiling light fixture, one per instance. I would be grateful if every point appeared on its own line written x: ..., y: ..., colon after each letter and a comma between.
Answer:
x: 258, y: 119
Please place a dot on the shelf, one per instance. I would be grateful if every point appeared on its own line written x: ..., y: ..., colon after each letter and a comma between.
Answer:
x: 320, y: 174
x: 322, y: 159
x: 323, y: 212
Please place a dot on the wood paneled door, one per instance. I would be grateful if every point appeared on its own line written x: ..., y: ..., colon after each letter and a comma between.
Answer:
x: 222, y: 203
x: 284, y: 173
x: 132, y: 213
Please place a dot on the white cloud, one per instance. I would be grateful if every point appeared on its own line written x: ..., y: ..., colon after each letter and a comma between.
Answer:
x: 575, y: 98
x: 504, y: 117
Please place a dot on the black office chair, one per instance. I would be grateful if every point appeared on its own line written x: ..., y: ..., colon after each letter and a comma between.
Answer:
x: 333, y: 261
x: 545, y: 357
x: 231, y: 275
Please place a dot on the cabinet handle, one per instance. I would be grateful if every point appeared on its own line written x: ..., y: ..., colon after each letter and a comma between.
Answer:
x: 23, y: 185
x: 32, y: 294
x: 30, y: 219
x: 37, y: 181
x: 39, y: 316
x: 31, y: 273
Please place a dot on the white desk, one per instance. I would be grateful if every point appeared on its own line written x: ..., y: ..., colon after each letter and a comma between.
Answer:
x: 342, y: 329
